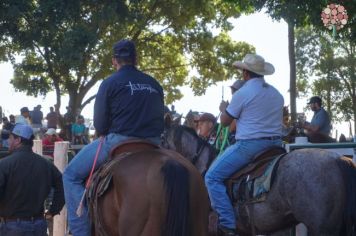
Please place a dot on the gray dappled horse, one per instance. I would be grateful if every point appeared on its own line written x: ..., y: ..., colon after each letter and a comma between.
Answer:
x: 312, y: 186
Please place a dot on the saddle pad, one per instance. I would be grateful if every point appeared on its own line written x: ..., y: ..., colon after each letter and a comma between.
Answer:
x: 263, y: 183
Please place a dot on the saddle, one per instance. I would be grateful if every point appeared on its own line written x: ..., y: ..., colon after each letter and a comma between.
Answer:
x: 243, y: 185
x: 132, y: 145
x: 102, y: 177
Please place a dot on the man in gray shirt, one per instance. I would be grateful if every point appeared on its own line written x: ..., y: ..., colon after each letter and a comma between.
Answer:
x: 318, y: 129
x: 257, y: 108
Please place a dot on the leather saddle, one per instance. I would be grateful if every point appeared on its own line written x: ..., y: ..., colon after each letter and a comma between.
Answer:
x: 255, y: 169
x: 102, y: 177
x: 132, y: 145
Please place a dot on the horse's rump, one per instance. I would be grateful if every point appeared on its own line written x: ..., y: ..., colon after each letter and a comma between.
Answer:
x: 143, y: 184
x: 348, y: 169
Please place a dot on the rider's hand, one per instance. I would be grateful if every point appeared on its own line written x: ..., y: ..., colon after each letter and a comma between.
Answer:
x: 223, y: 106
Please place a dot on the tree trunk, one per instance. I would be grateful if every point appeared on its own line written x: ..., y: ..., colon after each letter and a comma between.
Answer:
x: 292, y: 74
x: 354, y: 111
x: 74, y: 103
x: 58, y: 98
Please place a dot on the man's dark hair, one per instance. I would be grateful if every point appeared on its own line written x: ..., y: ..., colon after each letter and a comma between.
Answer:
x: 253, y: 74
x: 316, y: 99
x: 24, y: 141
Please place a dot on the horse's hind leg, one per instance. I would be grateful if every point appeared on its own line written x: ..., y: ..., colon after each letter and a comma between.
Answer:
x: 140, y: 204
x: 109, y: 212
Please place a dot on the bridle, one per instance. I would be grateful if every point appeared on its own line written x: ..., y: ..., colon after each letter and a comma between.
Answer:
x: 198, y: 152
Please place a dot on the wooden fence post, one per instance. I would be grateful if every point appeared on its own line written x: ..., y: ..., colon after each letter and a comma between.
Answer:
x: 60, y: 161
x: 37, y: 147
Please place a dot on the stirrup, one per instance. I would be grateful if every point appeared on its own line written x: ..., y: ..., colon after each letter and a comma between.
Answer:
x: 224, y: 231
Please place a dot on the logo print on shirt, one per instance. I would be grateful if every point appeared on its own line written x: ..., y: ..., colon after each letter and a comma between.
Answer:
x: 141, y: 87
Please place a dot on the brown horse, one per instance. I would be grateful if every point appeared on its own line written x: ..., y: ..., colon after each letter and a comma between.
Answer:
x: 311, y: 186
x: 146, y: 192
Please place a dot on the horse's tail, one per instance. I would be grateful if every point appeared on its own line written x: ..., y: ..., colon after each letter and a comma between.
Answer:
x: 348, y: 169
x: 176, y: 181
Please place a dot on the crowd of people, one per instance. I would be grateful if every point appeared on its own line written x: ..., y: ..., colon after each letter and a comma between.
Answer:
x: 130, y: 103
x: 46, y: 127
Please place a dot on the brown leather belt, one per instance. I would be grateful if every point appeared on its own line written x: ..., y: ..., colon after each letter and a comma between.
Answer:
x: 14, y: 218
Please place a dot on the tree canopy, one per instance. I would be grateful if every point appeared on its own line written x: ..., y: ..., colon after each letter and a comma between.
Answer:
x: 66, y: 45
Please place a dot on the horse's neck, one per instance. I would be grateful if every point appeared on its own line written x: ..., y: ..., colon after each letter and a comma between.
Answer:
x: 204, y: 160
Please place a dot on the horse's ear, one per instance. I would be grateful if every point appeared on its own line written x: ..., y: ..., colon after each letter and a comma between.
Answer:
x: 179, y: 120
x: 167, y: 121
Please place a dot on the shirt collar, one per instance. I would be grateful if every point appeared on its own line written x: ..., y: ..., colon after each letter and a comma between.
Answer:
x: 256, y: 80
x: 127, y: 67
x: 23, y: 148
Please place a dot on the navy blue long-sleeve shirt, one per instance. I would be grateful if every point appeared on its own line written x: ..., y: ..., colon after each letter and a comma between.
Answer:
x: 131, y: 103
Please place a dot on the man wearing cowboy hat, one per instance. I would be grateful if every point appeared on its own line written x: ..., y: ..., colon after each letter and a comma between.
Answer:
x: 257, y: 108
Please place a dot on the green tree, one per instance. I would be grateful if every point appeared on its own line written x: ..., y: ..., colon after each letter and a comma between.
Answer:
x: 299, y: 13
x: 66, y: 45
x: 295, y: 13
x: 327, y: 67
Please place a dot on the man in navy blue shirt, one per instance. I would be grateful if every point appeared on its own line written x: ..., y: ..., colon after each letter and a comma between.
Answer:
x: 129, y: 104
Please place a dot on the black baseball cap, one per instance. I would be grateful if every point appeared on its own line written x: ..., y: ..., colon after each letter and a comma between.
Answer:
x: 124, y: 49
x: 315, y: 99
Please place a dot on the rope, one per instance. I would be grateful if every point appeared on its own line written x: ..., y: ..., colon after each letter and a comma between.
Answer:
x: 221, y: 144
x: 79, y: 211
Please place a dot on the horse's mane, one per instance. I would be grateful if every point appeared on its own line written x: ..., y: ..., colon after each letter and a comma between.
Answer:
x: 180, y: 129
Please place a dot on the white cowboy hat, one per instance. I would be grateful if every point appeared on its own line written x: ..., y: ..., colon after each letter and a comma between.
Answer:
x: 256, y: 64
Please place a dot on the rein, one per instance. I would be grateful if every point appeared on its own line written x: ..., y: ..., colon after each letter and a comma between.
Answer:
x: 198, y: 153
x: 79, y: 211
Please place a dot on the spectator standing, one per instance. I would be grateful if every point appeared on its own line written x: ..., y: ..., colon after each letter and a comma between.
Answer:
x: 78, y: 131
x: 24, y: 118
x: 69, y: 118
x: 52, y: 119
x: 6, y: 125
x: 37, y: 117
x: 26, y: 180
x: 5, y: 132
x: 12, y: 120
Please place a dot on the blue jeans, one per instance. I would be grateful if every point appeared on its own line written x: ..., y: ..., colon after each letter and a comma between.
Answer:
x: 76, y: 173
x: 233, y: 159
x: 24, y: 228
